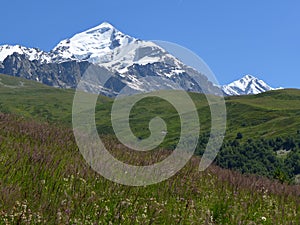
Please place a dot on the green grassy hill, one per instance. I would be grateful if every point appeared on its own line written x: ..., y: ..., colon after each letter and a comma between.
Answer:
x: 265, y: 115
x: 267, y: 123
x: 44, y: 179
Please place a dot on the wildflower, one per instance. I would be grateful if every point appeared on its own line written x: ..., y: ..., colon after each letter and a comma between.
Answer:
x: 264, y: 196
x: 59, y: 216
x: 24, y: 206
x: 82, y: 180
x: 263, y: 218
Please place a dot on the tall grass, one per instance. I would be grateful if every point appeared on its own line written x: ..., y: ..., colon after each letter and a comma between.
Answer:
x: 44, y: 180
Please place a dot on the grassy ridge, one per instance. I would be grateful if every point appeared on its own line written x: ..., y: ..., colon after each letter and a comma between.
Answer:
x: 34, y: 100
x: 270, y: 116
x: 265, y: 115
x: 44, y: 180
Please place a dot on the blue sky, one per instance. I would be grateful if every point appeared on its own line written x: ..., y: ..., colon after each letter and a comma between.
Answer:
x: 234, y: 38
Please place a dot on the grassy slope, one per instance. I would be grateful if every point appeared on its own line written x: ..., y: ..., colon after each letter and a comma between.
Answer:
x: 44, y: 180
x: 34, y: 100
x: 271, y: 114
x: 275, y: 113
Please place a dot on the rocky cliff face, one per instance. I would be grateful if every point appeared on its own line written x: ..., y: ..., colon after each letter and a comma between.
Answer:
x: 67, y: 75
x: 64, y: 75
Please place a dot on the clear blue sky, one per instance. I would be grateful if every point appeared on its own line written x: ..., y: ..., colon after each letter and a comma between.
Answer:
x: 234, y: 38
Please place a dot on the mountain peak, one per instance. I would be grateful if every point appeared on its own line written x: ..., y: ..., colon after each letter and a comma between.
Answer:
x: 246, y: 85
x: 249, y: 77
x: 104, y: 25
x: 95, y: 44
x: 128, y: 58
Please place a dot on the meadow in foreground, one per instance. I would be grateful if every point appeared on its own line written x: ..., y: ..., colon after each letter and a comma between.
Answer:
x: 44, y: 180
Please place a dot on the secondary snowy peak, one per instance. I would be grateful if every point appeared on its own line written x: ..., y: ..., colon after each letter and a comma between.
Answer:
x: 246, y: 86
x: 30, y: 53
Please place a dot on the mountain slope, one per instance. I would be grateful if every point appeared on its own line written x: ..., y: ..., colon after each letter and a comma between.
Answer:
x: 141, y: 65
x: 245, y: 86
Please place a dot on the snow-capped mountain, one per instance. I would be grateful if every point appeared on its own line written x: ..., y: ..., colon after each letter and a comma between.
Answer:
x: 103, y: 45
x: 96, y: 45
x: 246, y: 86
x: 106, y: 46
x: 137, y: 64
x: 30, y: 53
x: 129, y: 60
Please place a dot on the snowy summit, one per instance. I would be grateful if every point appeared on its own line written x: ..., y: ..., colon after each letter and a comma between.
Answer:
x: 106, y: 46
x: 129, y: 59
x: 102, y: 45
x: 96, y: 44
x: 142, y: 66
x: 246, y: 86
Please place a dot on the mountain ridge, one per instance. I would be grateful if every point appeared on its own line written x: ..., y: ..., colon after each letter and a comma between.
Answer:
x: 128, y: 59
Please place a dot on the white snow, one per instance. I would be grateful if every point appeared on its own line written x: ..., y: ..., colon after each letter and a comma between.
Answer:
x: 108, y: 47
x: 31, y: 53
x: 246, y: 85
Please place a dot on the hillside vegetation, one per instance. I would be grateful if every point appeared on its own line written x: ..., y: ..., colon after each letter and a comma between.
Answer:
x: 44, y: 180
x: 262, y: 135
x: 265, y: 115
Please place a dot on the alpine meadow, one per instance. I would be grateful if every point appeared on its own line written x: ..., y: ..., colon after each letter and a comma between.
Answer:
x: 45, y: 180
